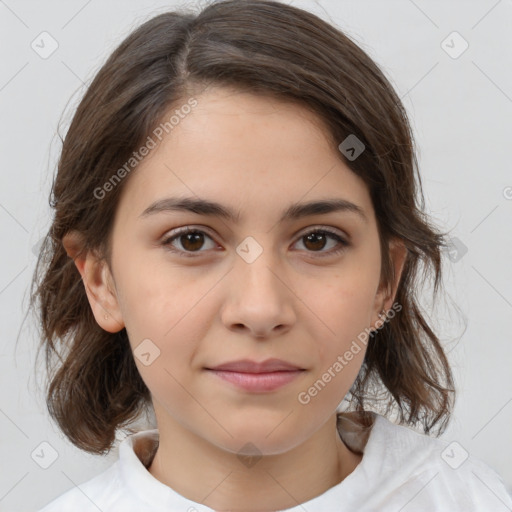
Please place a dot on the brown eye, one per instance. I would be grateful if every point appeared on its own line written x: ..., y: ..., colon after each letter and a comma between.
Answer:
x: 317, y: 240
x: 191, y: 241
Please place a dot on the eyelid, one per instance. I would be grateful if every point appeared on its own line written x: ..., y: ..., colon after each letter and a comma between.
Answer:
x: 173, y: 233
x: 315, y: 227
x: 183, y: 230
x: 328, y: 229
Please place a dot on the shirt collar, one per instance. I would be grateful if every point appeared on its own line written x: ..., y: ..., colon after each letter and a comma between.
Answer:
x: 136, y: 453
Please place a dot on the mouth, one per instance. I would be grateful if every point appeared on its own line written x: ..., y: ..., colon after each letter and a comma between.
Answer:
x: 257, y: 377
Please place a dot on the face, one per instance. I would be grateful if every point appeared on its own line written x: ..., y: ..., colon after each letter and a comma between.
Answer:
x: 261, y: 285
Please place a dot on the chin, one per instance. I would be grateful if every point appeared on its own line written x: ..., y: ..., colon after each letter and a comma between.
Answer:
x: 263, y: 437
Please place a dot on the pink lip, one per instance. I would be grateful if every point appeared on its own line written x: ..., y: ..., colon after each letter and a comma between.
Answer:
x: 257, y: 377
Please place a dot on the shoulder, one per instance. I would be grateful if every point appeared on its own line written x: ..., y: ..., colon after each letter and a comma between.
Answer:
x: 122, y: 486
x: 92, y: 495
x: 432, y: 472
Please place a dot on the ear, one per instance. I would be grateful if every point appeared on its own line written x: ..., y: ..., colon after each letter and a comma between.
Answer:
x: 98, y: 282
x: 386, y: 295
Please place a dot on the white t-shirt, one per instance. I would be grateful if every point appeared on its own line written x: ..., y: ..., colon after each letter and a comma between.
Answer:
x: 400, y: 471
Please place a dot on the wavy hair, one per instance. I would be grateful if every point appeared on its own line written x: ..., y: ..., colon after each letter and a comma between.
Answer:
x: 263, y: 47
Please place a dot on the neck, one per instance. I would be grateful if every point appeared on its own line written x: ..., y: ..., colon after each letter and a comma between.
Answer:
x: 222, y: 480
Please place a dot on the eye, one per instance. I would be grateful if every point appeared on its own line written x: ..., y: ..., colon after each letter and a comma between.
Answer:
x: 193, y: 239
x: 316, y: 239
x: 190, y: 239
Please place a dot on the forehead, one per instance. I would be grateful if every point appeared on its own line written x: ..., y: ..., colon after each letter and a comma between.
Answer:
x: 246, y: 151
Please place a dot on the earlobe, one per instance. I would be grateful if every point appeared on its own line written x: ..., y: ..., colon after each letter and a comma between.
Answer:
x: 97, y: 279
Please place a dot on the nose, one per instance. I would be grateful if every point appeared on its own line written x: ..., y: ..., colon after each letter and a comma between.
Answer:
x: 259, y: 299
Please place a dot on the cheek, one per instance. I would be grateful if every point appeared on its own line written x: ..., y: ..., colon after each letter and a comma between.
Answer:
x: 162, y: 310
x: 156, y: 296
x: 336, y: 358
x: 347, y: 302
x: 346, y: 307
x: 161, y: 305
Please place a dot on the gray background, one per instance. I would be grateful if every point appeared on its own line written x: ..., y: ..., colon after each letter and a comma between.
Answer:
x: 460, y: 110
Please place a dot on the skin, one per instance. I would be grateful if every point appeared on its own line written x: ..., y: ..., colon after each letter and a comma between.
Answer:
x: 294, y: 302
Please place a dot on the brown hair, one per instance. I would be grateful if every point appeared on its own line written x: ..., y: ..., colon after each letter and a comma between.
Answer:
x: 263, y: 47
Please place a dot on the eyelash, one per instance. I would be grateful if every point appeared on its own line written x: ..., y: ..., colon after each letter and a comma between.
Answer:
x: 184, y: 231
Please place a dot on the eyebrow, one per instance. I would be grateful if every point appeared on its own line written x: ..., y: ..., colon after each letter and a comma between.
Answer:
x: 211, y: 208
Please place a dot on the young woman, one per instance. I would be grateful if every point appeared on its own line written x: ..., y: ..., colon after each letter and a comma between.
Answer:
x: 236, y: 245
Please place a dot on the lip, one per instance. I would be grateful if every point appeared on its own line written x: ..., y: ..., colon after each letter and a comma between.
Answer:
x: 248, y: 366
x: 255, y: 376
